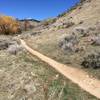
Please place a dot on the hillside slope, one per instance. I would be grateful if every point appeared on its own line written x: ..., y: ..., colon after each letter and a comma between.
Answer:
x: 67, y: 39
x: 82, y: 26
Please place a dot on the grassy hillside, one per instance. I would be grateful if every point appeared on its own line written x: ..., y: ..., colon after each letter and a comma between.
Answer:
x: 86, y: 26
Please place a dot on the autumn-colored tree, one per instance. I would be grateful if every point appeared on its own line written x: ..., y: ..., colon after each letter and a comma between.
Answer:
x: 8, y: 25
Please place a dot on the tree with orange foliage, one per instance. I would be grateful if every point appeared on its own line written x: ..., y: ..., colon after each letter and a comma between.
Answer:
x: 8, y: 25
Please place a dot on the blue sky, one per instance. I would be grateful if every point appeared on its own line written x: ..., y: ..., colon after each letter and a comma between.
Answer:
x: 37, y: 9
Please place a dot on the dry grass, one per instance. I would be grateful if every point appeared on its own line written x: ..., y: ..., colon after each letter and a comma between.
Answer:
x: 24, y: 76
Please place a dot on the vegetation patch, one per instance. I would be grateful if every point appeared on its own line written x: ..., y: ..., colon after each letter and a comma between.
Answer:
x: 91, y: 61
x: 69, y: 43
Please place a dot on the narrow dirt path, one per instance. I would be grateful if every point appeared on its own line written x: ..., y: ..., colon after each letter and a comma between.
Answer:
x: 76, y: 75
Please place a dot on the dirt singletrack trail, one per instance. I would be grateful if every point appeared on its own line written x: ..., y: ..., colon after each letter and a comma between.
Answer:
x: 78, y: 76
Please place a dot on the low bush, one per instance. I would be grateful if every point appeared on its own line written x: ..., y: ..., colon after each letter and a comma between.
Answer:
x: 9, y: 25
x: 14, y: 49
x: 81, y: 31
x: 69, y: 43
x: 91, y: 61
